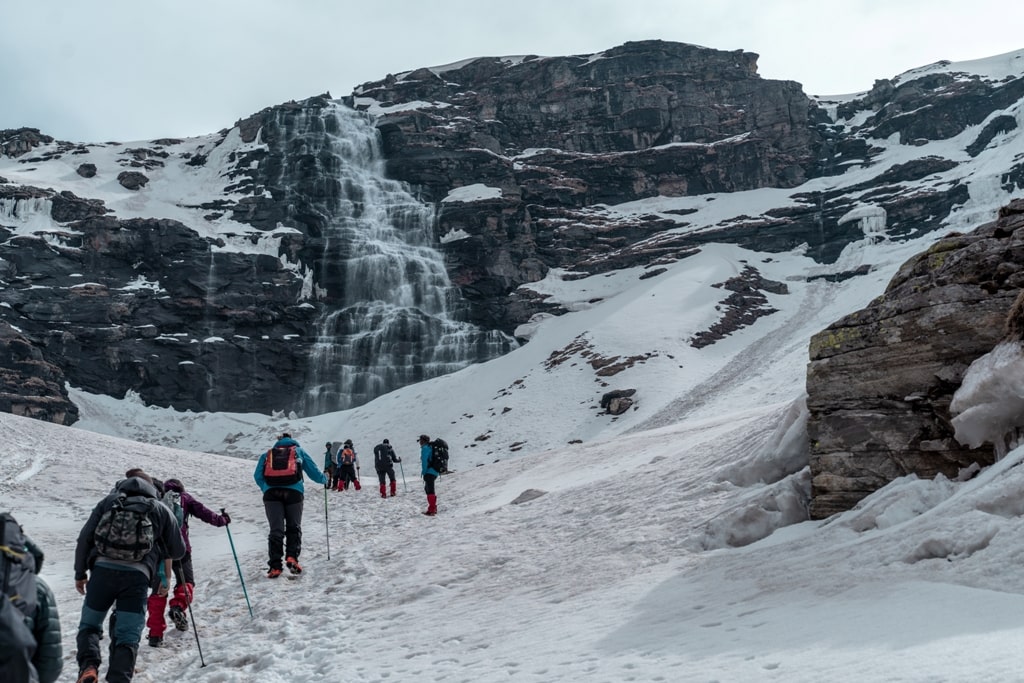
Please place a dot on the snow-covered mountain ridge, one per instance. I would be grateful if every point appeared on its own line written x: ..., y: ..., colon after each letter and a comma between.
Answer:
x: 884, y: 205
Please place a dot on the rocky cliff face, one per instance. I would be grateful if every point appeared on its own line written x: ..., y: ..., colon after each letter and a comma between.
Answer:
x: 558, y: 138
x: 881, y: 380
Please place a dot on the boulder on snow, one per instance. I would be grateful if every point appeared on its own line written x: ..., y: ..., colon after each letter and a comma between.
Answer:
x: 528, y: 495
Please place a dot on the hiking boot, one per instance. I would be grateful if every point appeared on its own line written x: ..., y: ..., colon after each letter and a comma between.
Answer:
x: 88, y: 675
x: 274, y: 573
x: 293, y: 565
x: 179, y: 618
x: 156, y: 641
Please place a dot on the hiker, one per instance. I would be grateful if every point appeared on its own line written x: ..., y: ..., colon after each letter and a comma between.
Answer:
x: 184, y: 587
x: 30, y: 638
x: 49, y: 657
x: 329, y: 468
x: 429, y: 474
x: 279, y: 475
x: 384, y: 460
x: 348, y: 464
x: 116, y: 558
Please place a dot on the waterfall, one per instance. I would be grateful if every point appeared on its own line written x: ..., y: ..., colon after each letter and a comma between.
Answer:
x: 386, y: 298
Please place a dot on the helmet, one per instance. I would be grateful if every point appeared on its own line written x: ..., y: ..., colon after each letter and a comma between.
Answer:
x: 386, y: 441
x: 348, y: 442
x: 328, y: 444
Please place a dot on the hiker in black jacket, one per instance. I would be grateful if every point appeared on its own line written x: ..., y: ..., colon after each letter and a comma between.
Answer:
x: 384, y: 460
x: 120, y: 582
x: 30, y: 639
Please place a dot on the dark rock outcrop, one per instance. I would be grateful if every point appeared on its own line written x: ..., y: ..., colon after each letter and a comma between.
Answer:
x: 880, y: 380
x: 132, y: 180
x: 31, y: 386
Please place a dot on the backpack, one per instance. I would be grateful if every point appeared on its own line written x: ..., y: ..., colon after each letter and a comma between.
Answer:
x: 348, y: 456
x: 283, y: 466
x: 172, y: 499
x: 125, y: 531
x: 17, y: 568
x: 438, y: 460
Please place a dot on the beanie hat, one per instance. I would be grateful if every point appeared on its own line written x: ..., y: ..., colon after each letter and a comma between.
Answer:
x: 386, y: 441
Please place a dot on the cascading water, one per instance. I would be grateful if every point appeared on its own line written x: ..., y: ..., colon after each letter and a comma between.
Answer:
x: 386, y: 319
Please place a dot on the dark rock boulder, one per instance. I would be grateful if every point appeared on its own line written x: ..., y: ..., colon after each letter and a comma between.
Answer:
x: 132, y: 180
x: 618, y: 401
x: 880, y: 380
x: 18, y: 141
x: 29, y: 385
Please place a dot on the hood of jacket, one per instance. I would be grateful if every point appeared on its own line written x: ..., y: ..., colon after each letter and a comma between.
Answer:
x: 135, y: 486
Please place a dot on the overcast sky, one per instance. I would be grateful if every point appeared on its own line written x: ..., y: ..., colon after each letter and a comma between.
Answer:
x: 129, y: 70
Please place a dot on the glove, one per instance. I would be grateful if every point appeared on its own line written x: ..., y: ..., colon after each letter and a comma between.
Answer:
x: 224, y: 516
x: 397, y: 459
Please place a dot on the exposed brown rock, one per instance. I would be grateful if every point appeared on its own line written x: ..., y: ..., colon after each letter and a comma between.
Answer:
x: 880, y: 380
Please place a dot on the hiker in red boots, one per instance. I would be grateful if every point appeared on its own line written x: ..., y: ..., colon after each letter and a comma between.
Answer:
x: 348, y: 463
x: 384, y: 460
x: 429, y: 474
x: 184, y: 576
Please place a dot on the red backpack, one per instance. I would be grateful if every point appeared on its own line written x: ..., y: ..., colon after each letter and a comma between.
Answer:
x: 283, y: 466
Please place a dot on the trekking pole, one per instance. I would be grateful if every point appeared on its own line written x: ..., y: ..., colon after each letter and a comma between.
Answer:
x: 405, y: 487
x: 238, y: 567
x: 188, y: 603
x: 327, y: 526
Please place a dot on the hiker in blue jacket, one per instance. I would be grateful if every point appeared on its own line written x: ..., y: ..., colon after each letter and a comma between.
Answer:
x: 283, y: 501
x: 428, y: 473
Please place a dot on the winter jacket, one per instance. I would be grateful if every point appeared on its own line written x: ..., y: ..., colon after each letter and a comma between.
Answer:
x: 308, y: 466
x: 190, y: 507
x: 169, y: 543
x: 49, y: 656
x: 384, y: 456
x: 16, y: 645
x: 328, y: 459
x: 45, y: 624
x: 425, y: 453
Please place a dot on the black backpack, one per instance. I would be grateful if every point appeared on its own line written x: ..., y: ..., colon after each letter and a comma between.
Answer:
x: 283, y: 466
x: 17, y: 567
x: 125, y: 530
x: 438, y: 460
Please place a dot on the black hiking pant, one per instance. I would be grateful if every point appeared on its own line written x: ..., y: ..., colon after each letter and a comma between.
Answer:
x: 387, y: 472
x: 126, y: 590
x: 284, y: 513
x: 347, y: 475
